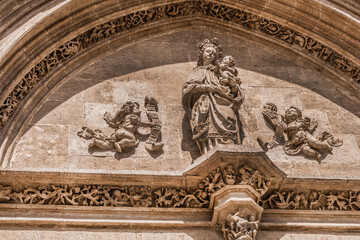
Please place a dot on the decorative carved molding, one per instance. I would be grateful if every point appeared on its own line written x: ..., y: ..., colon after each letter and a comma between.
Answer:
x: 135, y: 196
x: 210, y: 9
x: 313, y: 200
x: 126, y: 122
x: 146, y: 196
x: 299, y: 131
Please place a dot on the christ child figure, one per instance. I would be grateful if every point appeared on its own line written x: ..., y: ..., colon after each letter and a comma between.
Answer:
x: 228, y: 76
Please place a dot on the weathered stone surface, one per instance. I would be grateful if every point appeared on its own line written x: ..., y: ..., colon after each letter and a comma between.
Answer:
x: 45, y: 140
x: 49, y: 150
x: 110, y: 81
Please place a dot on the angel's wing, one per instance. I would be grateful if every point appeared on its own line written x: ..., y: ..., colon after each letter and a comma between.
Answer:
x: 311, y: 124
x: 110, y: 120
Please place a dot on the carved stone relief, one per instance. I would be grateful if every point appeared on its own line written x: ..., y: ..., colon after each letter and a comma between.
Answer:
x: 146, y: 196
x: 212, y: 97
x: 126, y: 122
x: 299, y: 132
x: 235, y: 227
x: 313, y: 200
x: 134, y: 196
x: 210, y: 9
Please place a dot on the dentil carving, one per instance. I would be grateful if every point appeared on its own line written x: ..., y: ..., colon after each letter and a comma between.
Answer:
x: 212, y: 97
x: 237, y: 228
x: 126, y: 122
x: 299, y: 133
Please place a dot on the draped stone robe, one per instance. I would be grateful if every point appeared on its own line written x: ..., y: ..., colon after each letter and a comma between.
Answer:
x: 211, y: 115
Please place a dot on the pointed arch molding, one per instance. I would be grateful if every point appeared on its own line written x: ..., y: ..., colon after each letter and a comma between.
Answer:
x: 170, y: 12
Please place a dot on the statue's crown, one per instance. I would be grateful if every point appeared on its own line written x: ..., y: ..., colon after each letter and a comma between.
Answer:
x: 210, y: 43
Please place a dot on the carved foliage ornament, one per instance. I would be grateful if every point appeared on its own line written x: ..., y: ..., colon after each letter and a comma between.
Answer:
x: 313, y: 200
x: 145, y: 196
x: 299, y: 132
x: 186, y: 8
x: 126, y: 122
x: 138, y: 196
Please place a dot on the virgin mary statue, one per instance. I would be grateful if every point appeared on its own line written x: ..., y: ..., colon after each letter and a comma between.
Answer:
x: 212, y: 97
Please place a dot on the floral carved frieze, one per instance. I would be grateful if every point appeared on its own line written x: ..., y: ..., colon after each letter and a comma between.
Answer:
x: 297, y: 133
x: 138, y: 196
x: 126, y: 122
x: 197, y: 197
x: 313, y: 200
x: 209, y: 9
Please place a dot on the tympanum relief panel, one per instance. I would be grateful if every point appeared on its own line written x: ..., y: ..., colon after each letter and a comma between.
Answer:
x: 222, y: 104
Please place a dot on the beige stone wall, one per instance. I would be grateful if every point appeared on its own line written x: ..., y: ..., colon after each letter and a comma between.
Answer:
x: 159, y: 67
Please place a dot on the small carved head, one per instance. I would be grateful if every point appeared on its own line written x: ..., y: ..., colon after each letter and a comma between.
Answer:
x: 131, y: 107
x: 229, y: 61
x: 209, y: 52
x: 242, y: 170
x: 252, y: 218
x: 292, y: 114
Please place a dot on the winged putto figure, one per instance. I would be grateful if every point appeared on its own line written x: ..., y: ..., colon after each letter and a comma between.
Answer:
x: 296, y: 133
x: 126, y: 122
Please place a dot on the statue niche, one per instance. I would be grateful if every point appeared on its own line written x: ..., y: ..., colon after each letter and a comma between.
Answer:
x: 212, y: 97
x: 126, y: 122
x: 298, y: 131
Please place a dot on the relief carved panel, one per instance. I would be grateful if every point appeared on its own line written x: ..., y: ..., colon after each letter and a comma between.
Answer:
x: 126, y: 121
x: 296, y: 133
x: 209, y: 9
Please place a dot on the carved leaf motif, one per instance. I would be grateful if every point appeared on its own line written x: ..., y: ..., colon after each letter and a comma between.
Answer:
x: 314, y: 200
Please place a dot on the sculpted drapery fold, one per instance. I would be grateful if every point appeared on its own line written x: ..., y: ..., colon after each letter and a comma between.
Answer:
x: 212, y: 98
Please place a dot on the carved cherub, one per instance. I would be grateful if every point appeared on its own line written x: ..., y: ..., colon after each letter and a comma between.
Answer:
x: 317, y: 200
x: 235, y: 227
x: 126, y: 123
x: 5, y: 192
x: 300, y: 201
x: 230, y: 175
x: 299, y: 133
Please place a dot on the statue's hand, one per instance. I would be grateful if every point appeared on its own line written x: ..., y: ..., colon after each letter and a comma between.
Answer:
x: 282, y: 125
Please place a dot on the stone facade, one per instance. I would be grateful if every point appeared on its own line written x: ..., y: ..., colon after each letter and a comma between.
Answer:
x: 87, y: 153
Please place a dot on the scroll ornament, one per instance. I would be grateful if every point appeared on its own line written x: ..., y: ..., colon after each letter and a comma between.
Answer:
x: 126, y: 123
x: 299, y: 132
